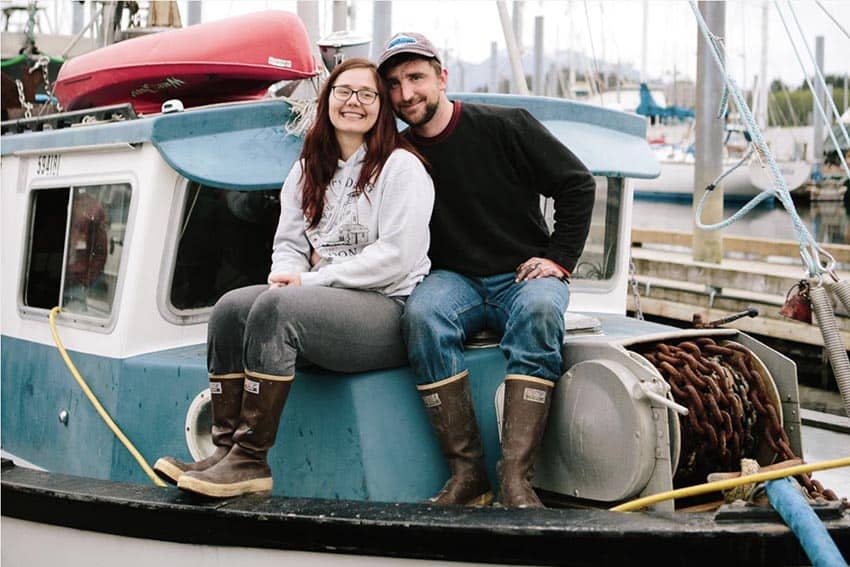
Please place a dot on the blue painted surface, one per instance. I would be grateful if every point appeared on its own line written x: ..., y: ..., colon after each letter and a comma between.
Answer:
x: 245, y: 146
x: 240, y: 147
x: 359, y: 436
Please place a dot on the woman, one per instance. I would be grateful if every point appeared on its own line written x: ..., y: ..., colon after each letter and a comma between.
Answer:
x: 350, y: 246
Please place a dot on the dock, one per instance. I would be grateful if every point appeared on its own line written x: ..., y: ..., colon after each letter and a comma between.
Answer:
x: 754, y: 272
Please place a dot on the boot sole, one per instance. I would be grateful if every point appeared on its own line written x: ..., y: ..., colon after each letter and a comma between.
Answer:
x: 167, y: 471
x: 198, y: 486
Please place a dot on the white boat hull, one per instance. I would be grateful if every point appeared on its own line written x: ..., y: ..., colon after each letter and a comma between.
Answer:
x: 23, y: 543
x: 677, y: 181
x: 795, y: 174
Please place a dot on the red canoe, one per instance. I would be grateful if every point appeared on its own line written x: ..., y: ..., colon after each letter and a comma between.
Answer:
x: 221, y: 61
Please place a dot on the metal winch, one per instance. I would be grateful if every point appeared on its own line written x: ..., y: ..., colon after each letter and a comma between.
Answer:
x: 642, y: 415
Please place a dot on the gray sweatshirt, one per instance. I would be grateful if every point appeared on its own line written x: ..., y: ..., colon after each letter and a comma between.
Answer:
x: 377, y: 240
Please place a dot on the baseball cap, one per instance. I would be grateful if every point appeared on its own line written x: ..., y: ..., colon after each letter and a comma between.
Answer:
x: 408, y: 42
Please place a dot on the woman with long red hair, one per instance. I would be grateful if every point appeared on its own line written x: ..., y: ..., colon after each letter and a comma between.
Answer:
x: 351, y: 244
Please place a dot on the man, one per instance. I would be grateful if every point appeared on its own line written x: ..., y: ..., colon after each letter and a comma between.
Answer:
x: 494, y: 265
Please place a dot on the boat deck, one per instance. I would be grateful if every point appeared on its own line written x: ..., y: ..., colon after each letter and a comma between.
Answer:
x: 569, y: 536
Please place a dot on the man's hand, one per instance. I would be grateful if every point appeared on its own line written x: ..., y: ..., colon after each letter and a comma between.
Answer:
x: 284, y: 280
x: 534, y: 268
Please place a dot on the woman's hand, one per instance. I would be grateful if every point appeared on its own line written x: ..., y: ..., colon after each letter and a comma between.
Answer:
x: 284, y: 280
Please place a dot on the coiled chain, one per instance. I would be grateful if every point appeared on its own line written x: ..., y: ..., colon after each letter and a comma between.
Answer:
x: 730, y: 412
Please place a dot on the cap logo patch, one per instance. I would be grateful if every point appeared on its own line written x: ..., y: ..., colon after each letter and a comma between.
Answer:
x: 401, y: 40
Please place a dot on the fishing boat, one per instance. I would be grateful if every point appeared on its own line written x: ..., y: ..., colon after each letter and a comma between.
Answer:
x: 133, y: 226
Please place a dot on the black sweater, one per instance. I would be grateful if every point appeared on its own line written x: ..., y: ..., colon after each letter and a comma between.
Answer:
x: 490, y: 166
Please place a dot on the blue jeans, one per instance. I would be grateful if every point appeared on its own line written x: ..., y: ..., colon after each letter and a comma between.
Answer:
x: 447, y: 308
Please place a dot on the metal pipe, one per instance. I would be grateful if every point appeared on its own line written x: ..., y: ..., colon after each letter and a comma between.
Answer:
x: 194, y: 11
x: 520, y: 85
x: 340, y: 15
x: 832, y: 341
x: 382, y: 16
x: 538, y: 56
x: 708, y: 245
x: 818, y: 97
x: 493, y: 83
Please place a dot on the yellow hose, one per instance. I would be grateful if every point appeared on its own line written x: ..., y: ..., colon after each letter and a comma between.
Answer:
x: 729, y: 483
x: 100, y: 410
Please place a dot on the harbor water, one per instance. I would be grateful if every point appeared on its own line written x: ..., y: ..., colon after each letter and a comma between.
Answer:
x: 828, y: 221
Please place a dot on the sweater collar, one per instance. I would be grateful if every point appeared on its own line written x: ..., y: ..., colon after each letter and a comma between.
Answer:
x: 442, y: 136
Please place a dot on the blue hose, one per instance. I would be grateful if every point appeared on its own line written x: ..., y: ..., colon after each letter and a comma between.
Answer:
x: 810, y: 531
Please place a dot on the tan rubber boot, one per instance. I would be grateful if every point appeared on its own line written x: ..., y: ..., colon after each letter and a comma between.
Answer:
x: 245, y: 468
x: 449, y: 405
x: 527, y: 401
x: 226, y: 403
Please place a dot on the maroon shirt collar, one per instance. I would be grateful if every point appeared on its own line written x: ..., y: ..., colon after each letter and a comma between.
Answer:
x: 447, y: 131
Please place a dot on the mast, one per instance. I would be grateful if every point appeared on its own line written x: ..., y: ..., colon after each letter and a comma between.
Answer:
x: 764, y: 83
x: 520, y: 86
x: 708, y: 245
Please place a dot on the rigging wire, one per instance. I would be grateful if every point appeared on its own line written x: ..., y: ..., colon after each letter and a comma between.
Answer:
x: 592, y: 52
x: 831, y: 17
x: 822, y: 83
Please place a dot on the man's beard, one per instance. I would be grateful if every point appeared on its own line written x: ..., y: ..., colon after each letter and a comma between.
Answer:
x: 430, y: 111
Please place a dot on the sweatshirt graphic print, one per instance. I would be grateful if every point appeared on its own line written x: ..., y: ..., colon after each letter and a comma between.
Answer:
x: 377, y: 240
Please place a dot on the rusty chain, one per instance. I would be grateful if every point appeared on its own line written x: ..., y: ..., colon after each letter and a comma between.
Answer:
x: 730, y: 411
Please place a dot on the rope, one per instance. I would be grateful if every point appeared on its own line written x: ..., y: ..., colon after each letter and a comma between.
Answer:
x: 96, y: 403
x: 810, y: 250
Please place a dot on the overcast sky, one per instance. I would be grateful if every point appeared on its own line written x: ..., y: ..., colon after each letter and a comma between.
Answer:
x: 611, y: 30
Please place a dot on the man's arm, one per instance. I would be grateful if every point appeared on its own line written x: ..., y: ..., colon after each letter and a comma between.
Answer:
x: 557, y: 173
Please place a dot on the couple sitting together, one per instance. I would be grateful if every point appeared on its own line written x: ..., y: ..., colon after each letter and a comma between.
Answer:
x: 395, y: 247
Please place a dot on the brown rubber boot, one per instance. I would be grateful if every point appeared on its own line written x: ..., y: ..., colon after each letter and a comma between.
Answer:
x: 226, y: 403
x: 449, y: 405
x: 245, y: 468
x: 527, y: 401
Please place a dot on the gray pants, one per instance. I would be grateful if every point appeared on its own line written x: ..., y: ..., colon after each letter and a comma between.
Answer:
x: 265, y: 330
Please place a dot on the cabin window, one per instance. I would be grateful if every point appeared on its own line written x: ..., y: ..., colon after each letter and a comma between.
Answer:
x: 225, y: 242
x: 76, y: 242
x: 599, y: 259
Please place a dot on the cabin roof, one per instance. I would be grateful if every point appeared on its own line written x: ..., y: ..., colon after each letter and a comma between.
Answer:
x: 245, y: 146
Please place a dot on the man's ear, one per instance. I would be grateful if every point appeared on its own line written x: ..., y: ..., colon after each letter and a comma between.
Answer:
x: 444, y: 78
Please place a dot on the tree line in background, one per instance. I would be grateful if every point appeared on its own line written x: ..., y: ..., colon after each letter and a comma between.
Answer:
x: 788, y: 107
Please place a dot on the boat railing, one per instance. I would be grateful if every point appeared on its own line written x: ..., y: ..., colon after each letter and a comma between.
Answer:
x: 59, y: 120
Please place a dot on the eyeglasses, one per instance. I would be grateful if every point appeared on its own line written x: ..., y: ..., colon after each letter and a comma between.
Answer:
x: 365, y: 96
